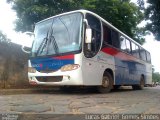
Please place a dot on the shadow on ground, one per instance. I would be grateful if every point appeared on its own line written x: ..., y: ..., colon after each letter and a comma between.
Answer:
x: 82, y: 90
x: 63, y: 90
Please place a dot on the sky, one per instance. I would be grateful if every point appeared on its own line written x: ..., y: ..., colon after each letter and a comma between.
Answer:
x: 7, y: 25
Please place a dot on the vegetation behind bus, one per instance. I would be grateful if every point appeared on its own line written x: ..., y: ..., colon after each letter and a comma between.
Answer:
x: 152, y: 15
x: 155, y: 76
x: 121, y: 13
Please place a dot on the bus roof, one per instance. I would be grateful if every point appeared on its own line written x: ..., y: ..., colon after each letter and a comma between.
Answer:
x: 86, y: 11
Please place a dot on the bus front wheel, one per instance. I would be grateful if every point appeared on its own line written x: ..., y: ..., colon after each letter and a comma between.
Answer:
x: 107, y: 83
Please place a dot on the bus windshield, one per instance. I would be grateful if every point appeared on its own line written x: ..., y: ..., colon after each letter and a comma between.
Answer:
x: 58, y: 35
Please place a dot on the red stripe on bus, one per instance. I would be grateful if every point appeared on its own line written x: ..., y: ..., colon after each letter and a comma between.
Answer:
x: 65, y: 57
x: 118, y: 54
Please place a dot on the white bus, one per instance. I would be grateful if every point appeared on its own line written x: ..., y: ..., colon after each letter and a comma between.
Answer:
x: 80, y: 48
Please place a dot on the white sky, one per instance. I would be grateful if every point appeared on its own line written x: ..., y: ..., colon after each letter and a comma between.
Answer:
x: 8, y: 16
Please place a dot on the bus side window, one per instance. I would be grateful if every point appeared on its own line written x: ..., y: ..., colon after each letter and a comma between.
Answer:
x: 123, y: 43
x: 106, y: 36
x: 128, y: 46
x: 148, y: 57
x: 115, y: 39
x: 135, y: 50
x: 95, y: 25
x: 143, y: 54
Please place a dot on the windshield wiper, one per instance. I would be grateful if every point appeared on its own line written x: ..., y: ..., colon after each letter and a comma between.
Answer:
x: 49, y: 39
x: 42, y: 46
x: 52, y: 40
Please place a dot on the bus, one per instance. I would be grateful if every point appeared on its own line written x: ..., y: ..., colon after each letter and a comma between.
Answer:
x: 80, y: 48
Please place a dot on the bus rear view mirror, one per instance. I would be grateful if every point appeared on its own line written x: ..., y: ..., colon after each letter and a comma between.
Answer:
x: 26, y: 50
x: 27, y: 36
x: 88, y: 38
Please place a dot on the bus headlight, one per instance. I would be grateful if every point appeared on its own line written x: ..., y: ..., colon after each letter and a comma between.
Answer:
x: 31, y: 70
x: 70, y: 67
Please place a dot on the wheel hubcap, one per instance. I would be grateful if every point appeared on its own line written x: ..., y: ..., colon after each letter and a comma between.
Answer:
x: 105, y: 82
x: 142, y: 83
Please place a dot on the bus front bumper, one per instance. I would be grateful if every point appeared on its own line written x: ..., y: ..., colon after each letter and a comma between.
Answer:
x: 56, y: 79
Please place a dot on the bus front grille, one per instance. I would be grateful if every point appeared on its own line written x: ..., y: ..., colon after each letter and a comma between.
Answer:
x: 49, y: 78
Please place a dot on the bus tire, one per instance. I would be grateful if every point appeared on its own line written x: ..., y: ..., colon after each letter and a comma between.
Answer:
x: 142, y: 83
x: 107, y: 83
x: 140, y: 86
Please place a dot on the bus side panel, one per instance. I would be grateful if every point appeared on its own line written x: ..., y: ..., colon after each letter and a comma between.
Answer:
x: 93, y: 68
x: 135, y: 71
x: 128, y: 69
x: 148, y: 80
x: 120, y: 72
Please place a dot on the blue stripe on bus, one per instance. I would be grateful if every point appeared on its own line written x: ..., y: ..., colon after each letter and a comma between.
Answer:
x: 50, y: 63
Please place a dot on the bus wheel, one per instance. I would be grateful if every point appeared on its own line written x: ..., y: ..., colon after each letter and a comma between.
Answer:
x: 140, y: 86
x: 142, y: 83
x: 107, y: 83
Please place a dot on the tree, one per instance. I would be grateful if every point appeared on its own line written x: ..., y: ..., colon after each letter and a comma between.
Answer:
x: 3, y: 38
x: 156, y: 77
x: 31, y: 11
x: 121, y: 13
x: 152, y: 13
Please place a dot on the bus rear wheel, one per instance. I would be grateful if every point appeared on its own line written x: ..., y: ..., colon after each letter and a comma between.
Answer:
x: 140, y: 86
x: 142, y: 83
x: 107, y: 83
